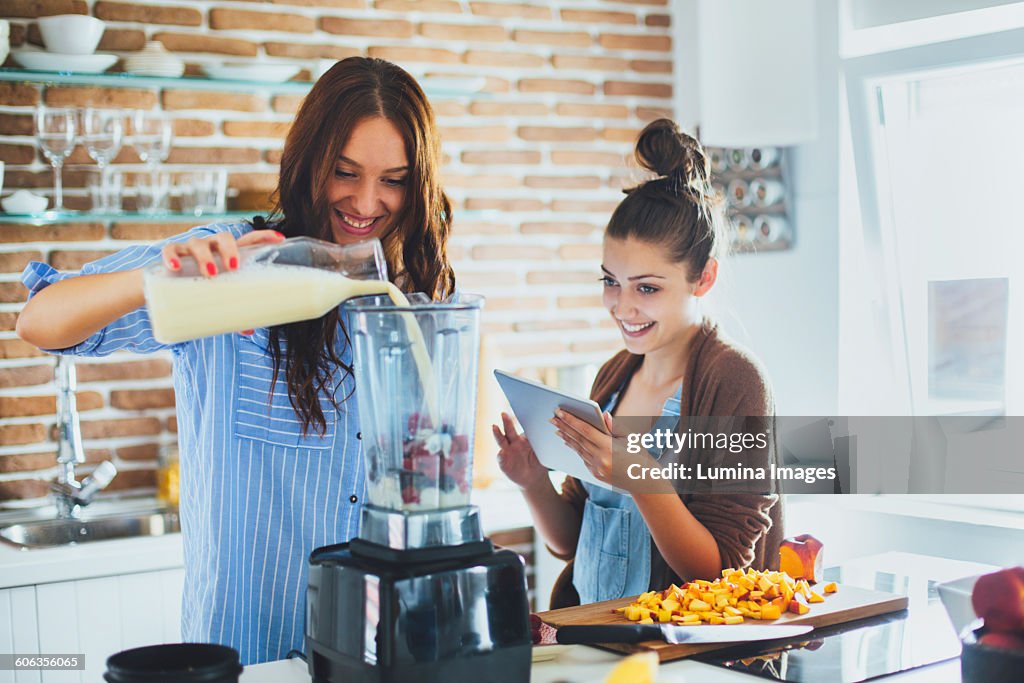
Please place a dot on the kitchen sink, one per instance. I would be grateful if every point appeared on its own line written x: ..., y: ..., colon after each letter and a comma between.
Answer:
x: 52, y: 533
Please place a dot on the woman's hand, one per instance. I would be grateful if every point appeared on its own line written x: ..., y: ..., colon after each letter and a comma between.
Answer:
x: 516, y: 457
x: 607, y: 460
x: 593, y: 445
x: 223, y: 244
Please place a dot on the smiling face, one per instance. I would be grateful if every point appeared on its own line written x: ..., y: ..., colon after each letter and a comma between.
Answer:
x: 367, y: 188
x: 649, y: 296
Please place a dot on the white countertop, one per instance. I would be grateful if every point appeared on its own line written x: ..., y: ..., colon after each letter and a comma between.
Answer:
x: 501, y: 507
x: 31, y: 566
x: 582, y: 664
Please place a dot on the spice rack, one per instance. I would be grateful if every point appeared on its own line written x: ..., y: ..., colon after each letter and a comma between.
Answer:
x: 752, y: 183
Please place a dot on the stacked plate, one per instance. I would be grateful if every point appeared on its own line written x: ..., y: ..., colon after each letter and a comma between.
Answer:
x: 37, y: 60
x: 154, y: 60
x: 267, y: 73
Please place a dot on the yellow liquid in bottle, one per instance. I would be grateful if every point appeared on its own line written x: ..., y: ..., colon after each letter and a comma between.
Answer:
x: 185, y: 308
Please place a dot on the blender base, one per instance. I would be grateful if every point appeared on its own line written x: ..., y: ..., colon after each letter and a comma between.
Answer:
x: 452, y: 618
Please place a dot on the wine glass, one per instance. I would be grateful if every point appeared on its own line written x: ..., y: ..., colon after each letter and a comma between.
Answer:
x: 152, y: 135
x: 55, y: 132
x: 102, y: 130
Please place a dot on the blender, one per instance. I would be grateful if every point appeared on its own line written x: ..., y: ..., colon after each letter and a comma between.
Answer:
x: 419, y: 594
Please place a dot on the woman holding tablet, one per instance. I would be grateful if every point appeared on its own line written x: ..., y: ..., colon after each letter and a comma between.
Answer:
x: 660, y: 259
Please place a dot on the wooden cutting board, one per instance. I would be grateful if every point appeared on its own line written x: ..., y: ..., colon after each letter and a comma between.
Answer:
x: 848, y: 604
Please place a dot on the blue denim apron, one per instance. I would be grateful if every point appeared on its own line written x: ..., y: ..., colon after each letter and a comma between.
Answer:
x: 613, y: 555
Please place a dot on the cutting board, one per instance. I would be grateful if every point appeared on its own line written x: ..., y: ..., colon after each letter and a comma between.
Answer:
x: 848, y: 604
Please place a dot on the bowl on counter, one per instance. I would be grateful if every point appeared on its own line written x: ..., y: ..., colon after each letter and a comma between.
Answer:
x: 990, y: 657
x: 71, y: 34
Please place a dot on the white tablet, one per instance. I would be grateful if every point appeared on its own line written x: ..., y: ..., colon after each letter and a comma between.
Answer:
x: 534, y: 404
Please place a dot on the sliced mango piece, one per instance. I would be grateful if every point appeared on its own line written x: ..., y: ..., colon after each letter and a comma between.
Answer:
x: 639, y: 668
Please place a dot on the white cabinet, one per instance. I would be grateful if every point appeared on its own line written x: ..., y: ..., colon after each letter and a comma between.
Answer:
x: 96, y: 617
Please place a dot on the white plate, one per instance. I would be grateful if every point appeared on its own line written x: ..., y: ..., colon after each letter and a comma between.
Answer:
x: 55, y: 61
x: 267, y: 73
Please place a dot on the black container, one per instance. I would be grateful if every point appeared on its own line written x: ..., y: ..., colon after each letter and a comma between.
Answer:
x: 175, y: 663
x: 984, y: 663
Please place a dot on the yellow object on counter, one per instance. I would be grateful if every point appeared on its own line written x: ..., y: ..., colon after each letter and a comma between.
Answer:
x: 168, y: 478
x: 639, y: 668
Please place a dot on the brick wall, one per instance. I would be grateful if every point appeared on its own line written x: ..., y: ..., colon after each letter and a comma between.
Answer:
x: 535, y: 163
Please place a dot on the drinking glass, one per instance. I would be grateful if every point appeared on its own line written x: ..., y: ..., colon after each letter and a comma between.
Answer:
x: 152, y: 192
x: 205, y: 191
x: 56, y: 128
x: 102, y: 130
x: 105, y: 189
x: 151, y: 136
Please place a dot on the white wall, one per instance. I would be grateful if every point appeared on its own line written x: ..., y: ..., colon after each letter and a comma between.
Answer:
x: 784, y: 305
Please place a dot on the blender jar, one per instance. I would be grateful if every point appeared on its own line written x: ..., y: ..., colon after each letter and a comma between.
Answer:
x: 416, y: 382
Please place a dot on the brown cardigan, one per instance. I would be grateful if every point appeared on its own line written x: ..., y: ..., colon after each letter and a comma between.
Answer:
x: 721, y: 379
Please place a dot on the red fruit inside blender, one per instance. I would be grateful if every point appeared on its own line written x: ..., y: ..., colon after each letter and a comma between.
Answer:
x: 433, y: 459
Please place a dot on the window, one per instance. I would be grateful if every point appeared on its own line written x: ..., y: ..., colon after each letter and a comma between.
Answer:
x: 937, y: 296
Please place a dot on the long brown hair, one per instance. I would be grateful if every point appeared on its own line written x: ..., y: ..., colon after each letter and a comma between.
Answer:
x: 416, y: 244
x: 678, y: 208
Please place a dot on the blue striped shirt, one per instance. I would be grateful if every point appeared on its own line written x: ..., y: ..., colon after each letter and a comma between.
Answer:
x: 256, y: 495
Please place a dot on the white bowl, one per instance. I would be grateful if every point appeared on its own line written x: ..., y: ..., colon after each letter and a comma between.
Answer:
x: 38, y: 60
x: 71, y: 34
x: 956, y: 598
x: 23, y: 201
x: 267, y: 73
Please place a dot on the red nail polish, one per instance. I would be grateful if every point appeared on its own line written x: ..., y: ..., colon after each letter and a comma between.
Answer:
x: 175, y: 264
x: 211, y: 269
x: 233, y: 263
x: 279, y: 234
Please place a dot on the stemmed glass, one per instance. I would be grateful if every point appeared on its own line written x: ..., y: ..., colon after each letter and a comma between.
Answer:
x: 151, y: 136
x: 55, y: 132
x: 102, y: 130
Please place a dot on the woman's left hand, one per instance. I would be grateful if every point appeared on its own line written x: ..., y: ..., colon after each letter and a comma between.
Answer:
x: 593, y: 445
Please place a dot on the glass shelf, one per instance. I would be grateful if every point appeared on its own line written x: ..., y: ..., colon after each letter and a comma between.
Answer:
x: 52, y: 217
x: 438, y: 87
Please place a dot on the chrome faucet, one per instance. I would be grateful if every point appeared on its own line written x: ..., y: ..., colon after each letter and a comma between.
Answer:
x: 69, y: 494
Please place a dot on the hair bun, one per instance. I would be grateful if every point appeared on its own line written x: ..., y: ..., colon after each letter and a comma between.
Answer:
x: 669, y: 152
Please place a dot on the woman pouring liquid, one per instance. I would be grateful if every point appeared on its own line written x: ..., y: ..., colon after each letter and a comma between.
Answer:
x: 267, y: 426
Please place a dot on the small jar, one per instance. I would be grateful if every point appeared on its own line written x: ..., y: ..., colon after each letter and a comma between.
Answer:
x: 168, y: 475
x: 765, y: 192
x: 738, y: 160
x: 739, y: 193
x: 716, y: 157
x: 743, y: 230
x: 762, y: 157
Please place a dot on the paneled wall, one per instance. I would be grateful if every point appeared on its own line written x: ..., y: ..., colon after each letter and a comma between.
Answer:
x: 535, y: 164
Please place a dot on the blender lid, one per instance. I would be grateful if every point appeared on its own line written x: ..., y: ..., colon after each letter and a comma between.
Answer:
x: 418, y: 303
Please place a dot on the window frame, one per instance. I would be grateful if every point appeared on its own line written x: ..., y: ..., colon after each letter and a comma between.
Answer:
x: 862, y: 78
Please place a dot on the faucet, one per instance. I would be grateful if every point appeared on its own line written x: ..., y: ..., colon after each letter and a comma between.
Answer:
x: 69, y: 494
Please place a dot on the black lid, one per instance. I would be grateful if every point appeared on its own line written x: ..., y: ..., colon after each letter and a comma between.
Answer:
x: 174, y: 663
